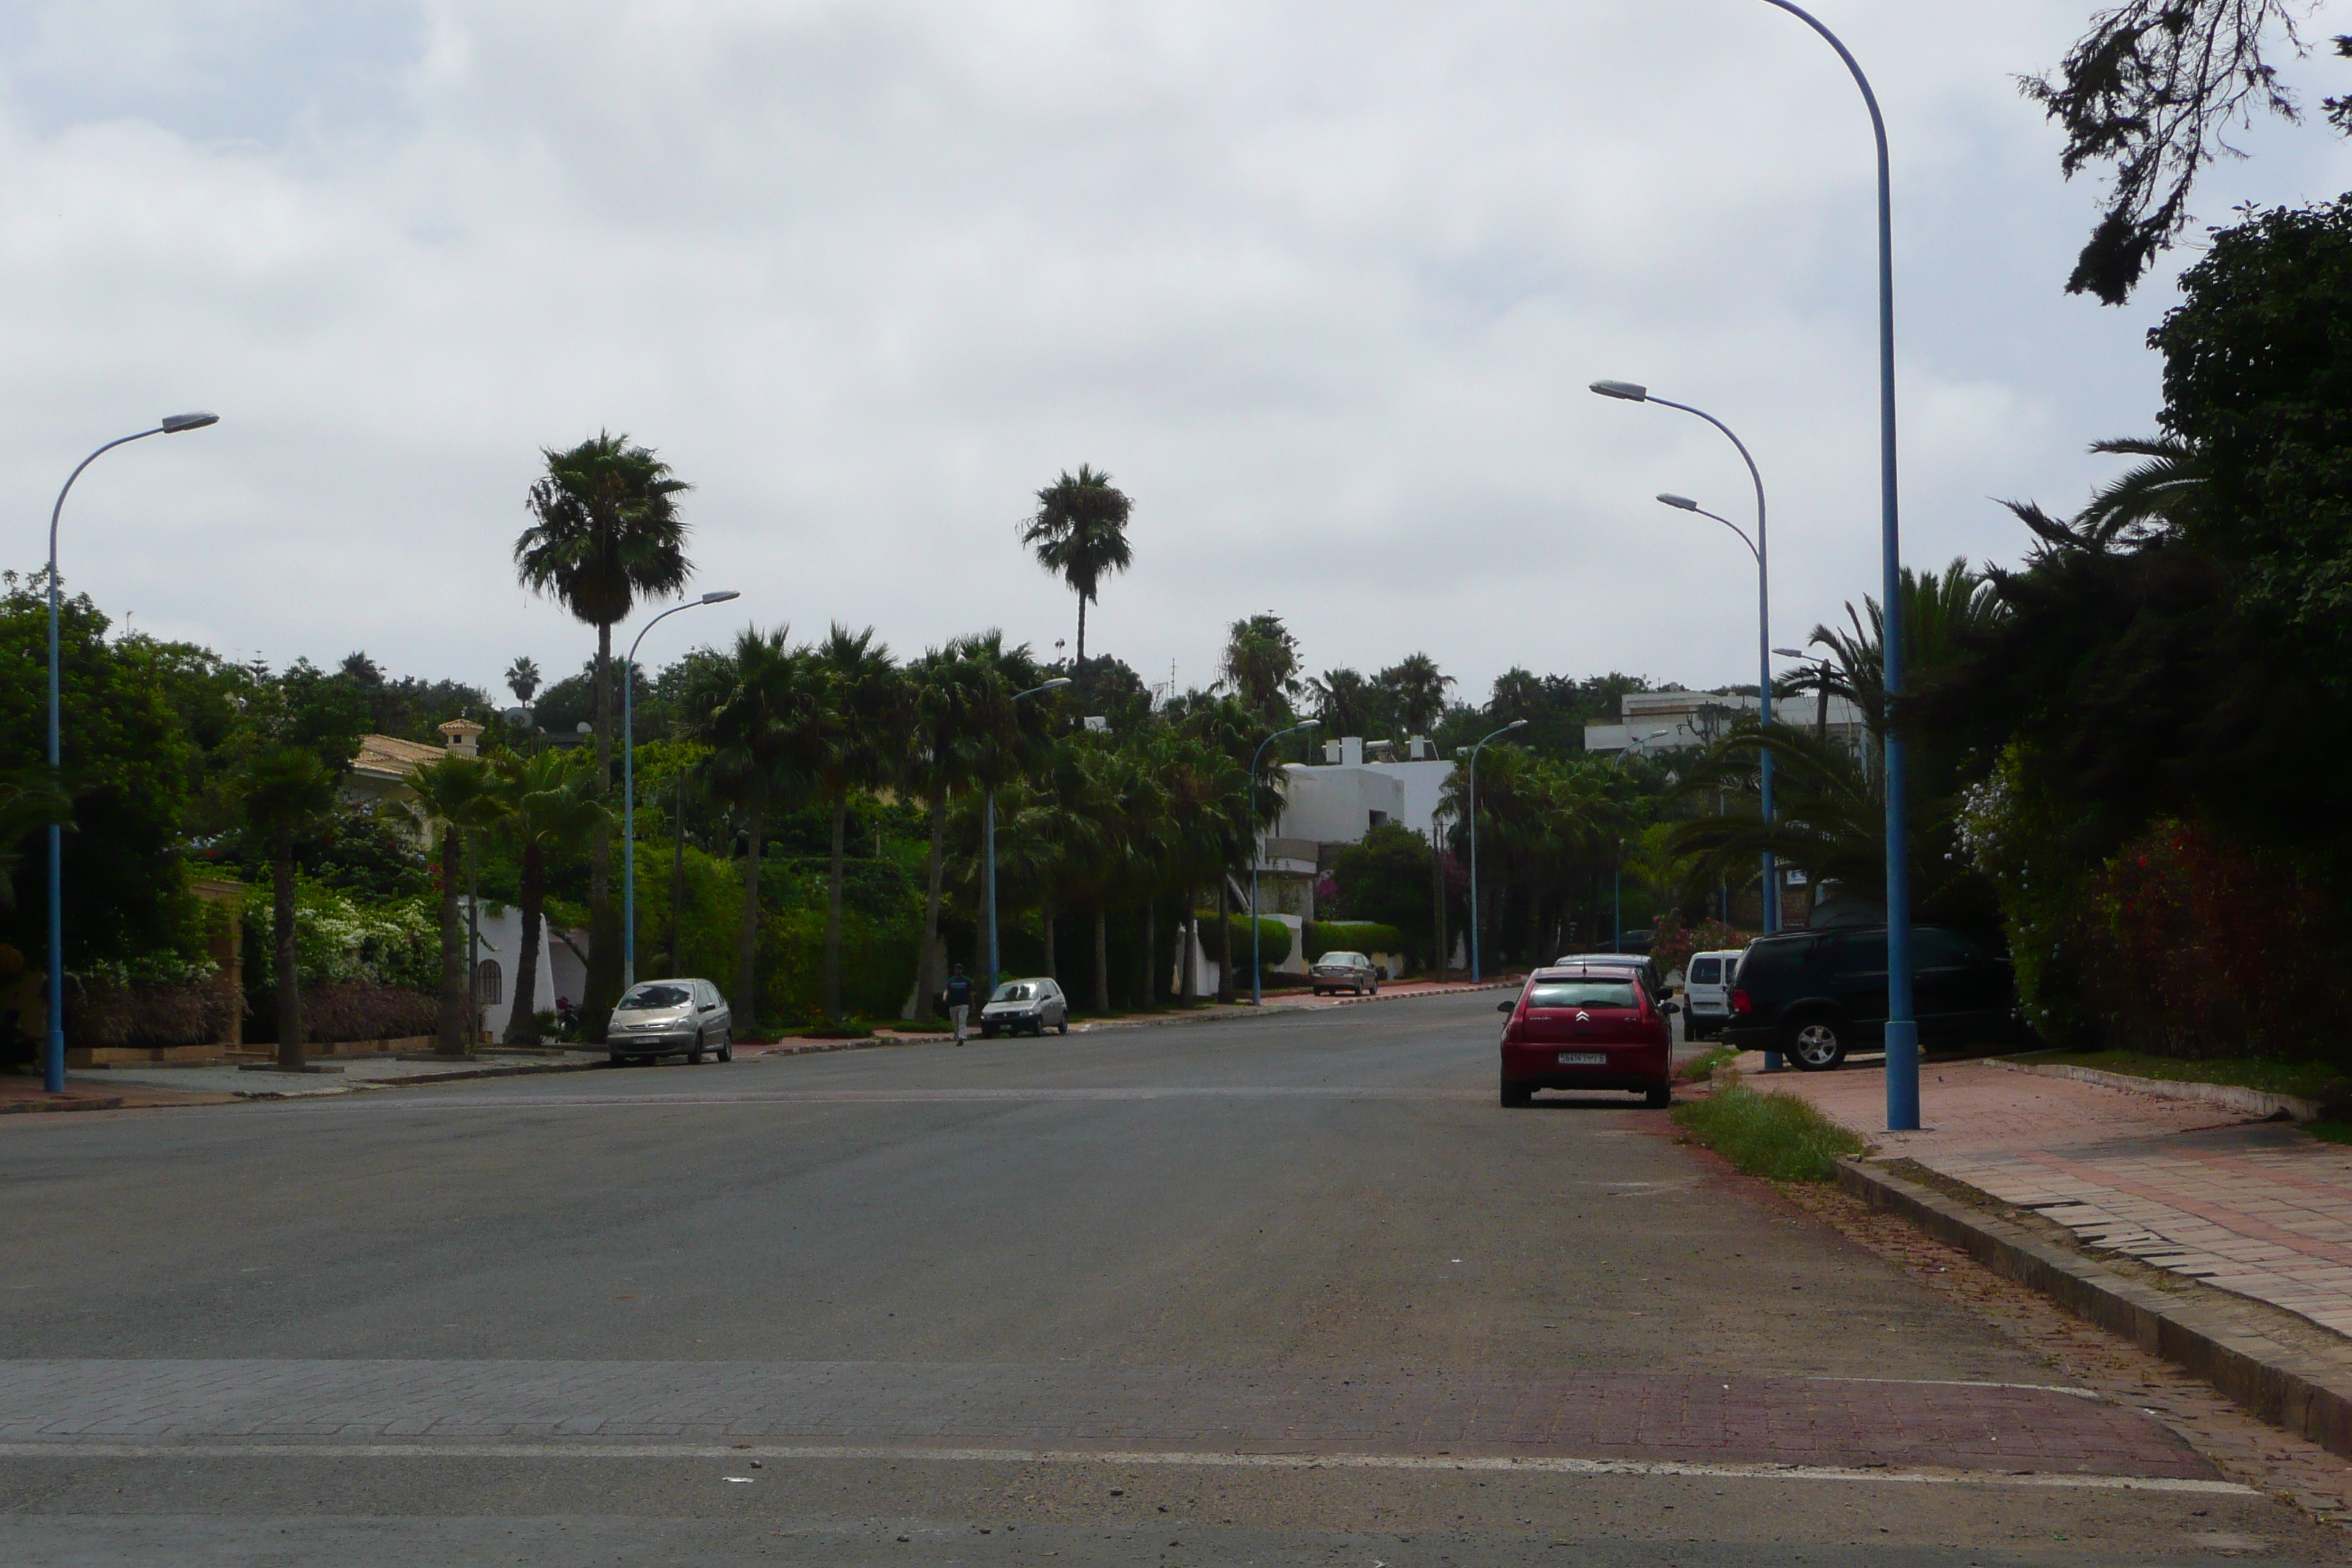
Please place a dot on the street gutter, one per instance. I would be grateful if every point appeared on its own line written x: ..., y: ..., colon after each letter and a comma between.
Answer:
x: 2283, y: 1386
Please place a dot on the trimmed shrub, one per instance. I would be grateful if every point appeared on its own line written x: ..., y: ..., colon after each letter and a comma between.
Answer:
x: 147, y: 1016
x: 1272, y: 935
x: 1351, y: 936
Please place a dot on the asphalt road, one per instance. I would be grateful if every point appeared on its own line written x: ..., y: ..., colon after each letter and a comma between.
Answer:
x: 1290, y: 1290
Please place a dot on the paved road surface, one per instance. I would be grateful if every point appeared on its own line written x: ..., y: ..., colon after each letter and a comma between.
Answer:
x: 1290, y: 1290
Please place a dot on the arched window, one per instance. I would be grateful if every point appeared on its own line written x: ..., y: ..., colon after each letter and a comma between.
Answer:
x: 490, y: 982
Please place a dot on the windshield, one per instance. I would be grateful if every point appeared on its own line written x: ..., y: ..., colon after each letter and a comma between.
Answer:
x: 1581, y: 994
x: 1343, y: 960
x: 1011, y: 991
x: 645, y: 997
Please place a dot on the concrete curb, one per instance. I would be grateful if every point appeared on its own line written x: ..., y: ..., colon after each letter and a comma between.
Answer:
x: 2284, y: 1387
x: 2230, y: 1096
x: 20, y: 1106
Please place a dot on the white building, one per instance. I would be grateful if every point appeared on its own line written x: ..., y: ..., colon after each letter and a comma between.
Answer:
x: 495, y: 968
x: 1657, y: 721
x: 1331, y: 804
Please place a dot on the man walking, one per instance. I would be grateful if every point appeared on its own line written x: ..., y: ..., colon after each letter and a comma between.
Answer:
x: 959, y: 995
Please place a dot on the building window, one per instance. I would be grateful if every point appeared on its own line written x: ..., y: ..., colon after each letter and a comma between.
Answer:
x: 490, y: 982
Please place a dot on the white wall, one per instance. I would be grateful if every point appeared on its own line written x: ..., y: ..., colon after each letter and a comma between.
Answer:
x: 501, y: 943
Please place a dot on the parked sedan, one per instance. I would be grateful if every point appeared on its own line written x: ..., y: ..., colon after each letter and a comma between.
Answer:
x: 1034, y: 1006
x: 661, y: 1018
x: 1587, y: 1028
x: 1351, y: 972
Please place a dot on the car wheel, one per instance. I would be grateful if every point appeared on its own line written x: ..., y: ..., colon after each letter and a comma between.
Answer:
x: 988, y: 1031
x: 1817, y: 1043
x: 617, y: 1060
x: 726, y: 1047
x: 1515, y: 1095
x: 694, y: 1053
x: 1659, y: 1097
x: 1375, y: 990
x: 1063, y: 1028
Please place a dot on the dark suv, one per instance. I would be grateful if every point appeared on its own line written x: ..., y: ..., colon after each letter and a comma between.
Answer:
x: 1817, y: 995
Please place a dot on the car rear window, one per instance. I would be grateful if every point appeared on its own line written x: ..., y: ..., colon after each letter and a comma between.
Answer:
x: 1705, y: 971
x: 649, y: 996
x: 1767, y: 960
x: 1581, y: 994
x: 1345, y: 960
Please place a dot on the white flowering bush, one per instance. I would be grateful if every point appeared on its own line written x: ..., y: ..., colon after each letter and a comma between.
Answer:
x: 338, y: 938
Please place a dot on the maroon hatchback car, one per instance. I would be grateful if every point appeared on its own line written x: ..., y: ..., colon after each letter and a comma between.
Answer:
x: 1580, y: 1028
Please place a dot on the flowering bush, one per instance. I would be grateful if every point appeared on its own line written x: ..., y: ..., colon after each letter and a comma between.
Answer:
x: 1672, y: 942
x: 339, y: 939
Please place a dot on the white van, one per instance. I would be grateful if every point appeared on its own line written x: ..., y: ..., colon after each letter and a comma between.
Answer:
x: 1707, y: 993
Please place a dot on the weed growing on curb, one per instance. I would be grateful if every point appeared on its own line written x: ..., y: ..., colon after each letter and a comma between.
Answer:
x: 1773, y: 1135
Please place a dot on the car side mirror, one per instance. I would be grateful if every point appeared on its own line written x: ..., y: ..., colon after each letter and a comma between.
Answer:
x: 1505, y: 1007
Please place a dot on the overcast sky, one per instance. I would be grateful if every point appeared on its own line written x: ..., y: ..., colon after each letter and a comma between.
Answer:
x: 1321, y: 285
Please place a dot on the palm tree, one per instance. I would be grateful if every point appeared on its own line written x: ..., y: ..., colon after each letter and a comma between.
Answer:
x: 454, y: 797
x: 551, y: 804
x: 1344, y: 700
x: 868, y: 701
x: 286, y: 788
x: 1943, y: 614
x: 2171, y: 491
x: 1260, y: 665
x: 760, y: 708
x: 606, y: 533
x: 943, y: 689
x: 1417, y: 689
x: 522, y: 679
x: 1079, y: 532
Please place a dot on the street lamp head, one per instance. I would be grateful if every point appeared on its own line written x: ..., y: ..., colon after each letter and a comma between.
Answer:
x: 1629, y: 390
x: 1680, y: 503
x: 175, y: 422
x: 1791, y: 653
x: 720, y: 595
x: 1055, y: 684
x: 1517, y: 724
x: 1310, y: 724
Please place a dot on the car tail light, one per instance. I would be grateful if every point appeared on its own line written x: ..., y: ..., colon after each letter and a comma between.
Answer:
x: 1741, y: 1003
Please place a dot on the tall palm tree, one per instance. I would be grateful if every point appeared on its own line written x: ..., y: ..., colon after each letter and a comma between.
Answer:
x: 551, y: 804
x: 1079, y: 533
x: 944, y: 688
x: 286, y: 788
x: 1344, y: 700
x: 1417, y: 689
x: 1943, y: 613
x: 455, y: 798
x: 523, y: 679
x: 606, y: 533
x: 760, y: 708
x: 868, y: 702
x: 1260, y: 665
x: 2171, y: 491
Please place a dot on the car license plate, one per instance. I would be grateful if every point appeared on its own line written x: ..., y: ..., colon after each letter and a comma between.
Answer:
x: 1583, y: 1059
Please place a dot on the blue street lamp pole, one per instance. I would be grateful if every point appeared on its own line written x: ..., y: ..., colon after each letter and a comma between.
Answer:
x: 1760, y: 547
x: 1514, y: 724
x: 988, y: 845
x: 1902, y: 1025
x: 1257, y: 987
x: 1764, y: 675
x: 53, y: 1057
x: 629, y: 786
x: 1617, y: 901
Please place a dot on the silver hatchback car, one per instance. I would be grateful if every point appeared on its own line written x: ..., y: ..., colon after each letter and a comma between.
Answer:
x: 1035, y: 1005
x: 661, y: 1018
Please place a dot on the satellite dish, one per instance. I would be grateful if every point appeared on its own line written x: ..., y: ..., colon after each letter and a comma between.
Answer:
x: 584, y: 728
x: 518, y: 717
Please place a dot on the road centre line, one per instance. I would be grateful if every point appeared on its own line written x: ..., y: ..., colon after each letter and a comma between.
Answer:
x: 589, y: 1449
x: 884, y: 1096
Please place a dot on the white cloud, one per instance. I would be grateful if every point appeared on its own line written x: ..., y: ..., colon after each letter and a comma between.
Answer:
x: 1321, y: 285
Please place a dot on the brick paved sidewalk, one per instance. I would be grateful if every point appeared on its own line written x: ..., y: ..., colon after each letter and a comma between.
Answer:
x: 2260, y: 1208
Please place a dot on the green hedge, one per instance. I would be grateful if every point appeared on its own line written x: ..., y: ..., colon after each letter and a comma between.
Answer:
x: 1272, y: 935
x: 1351, y: 936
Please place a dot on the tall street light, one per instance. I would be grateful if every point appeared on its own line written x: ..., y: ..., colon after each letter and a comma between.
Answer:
x: 629, y: 787
x: 988, y: 844
x: 1761, y: 548
x: 1902, y: 1025
x: 1514, y: 724
x: 53, y: 1058
x: 1763, y: 678
x: 1257, y: 989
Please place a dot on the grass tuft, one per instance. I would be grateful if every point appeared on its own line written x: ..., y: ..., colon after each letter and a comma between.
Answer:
x: 1775, y: 1136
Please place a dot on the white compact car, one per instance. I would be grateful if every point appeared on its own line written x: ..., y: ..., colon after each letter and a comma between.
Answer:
x: 1351, y: 972
x: 1707, y: 993
x: 1034, y: 1006
x: 660, y: 1018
